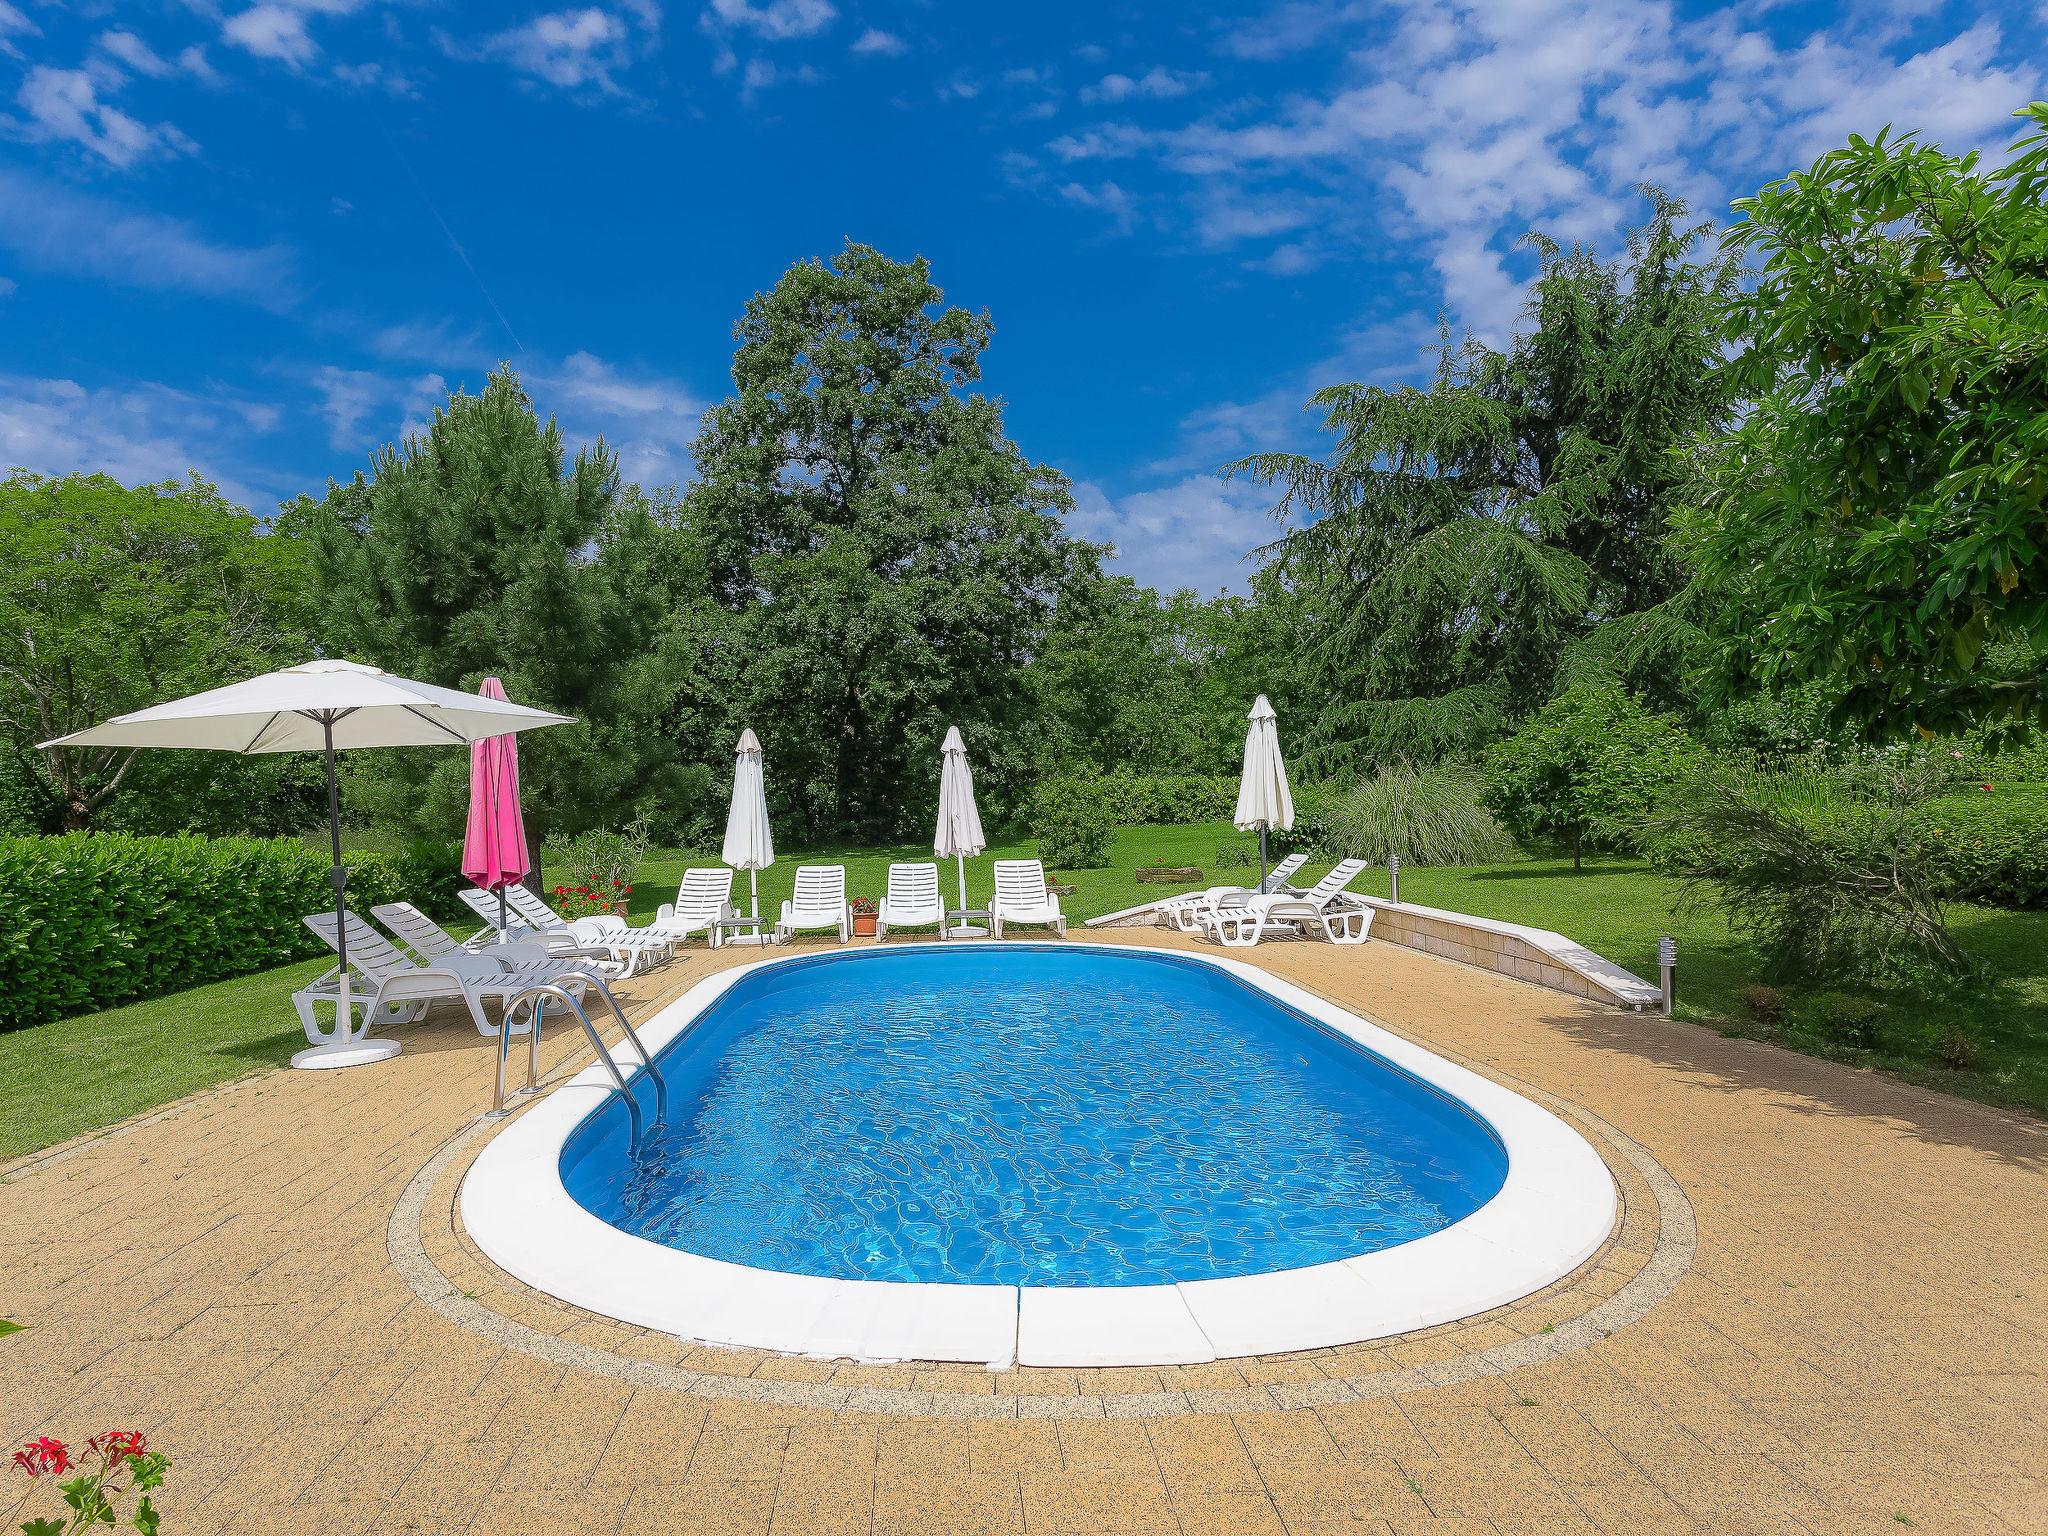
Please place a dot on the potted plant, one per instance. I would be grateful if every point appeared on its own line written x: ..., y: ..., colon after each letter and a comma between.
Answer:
x: 863, y: 917
x: 592, y: 900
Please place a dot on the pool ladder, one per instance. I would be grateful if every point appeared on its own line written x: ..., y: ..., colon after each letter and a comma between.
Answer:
x: 536, y: 998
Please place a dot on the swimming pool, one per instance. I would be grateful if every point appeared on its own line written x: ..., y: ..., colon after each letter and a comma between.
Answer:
x: 1042, y: 1153
x: 1028, y: 1116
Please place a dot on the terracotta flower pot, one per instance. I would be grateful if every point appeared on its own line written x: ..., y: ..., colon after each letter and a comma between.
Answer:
x: 864, y: 925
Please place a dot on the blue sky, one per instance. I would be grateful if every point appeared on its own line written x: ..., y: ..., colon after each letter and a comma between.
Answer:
x: 261, y: 239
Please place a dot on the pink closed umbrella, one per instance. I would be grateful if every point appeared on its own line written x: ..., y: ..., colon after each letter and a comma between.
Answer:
x: 494, y: 848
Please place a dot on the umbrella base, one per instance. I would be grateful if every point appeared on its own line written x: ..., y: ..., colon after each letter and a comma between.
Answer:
x: 346, y: 1053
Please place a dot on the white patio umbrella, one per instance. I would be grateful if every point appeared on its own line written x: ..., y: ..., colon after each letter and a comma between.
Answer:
x: 959, y: 836
x: 749, y: 844
x: 320, y: 706
x: 1263, y: 799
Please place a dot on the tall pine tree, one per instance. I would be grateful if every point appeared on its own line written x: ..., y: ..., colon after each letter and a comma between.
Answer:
x: 480, y: 547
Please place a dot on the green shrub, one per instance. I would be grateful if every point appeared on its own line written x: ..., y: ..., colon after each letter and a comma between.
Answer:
x: 1841, y: 1019
x: 598, y: 858
x: 1147, y: 799
x: 95, y: 919
x: 1955, y: 1049
x: 1073, y: 826
x: 1821, y: 869
x: 1988, y: 846
x: 1586, y: 771
x: 1764, y: 1004
x: 1424, y: 815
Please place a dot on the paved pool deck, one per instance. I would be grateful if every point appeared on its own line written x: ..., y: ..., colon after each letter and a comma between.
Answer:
x: 1824, y: 1309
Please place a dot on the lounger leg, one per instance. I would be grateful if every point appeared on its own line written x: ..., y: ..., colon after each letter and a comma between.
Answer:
x: 1347, y: 927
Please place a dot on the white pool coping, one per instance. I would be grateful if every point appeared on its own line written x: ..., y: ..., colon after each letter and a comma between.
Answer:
x: 1554, y: 1211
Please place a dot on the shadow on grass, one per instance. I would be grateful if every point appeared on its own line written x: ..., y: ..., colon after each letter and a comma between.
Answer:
x: 1812, y: 1085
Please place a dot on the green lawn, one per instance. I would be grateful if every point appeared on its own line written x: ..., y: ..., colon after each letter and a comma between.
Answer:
x: 58, y: 1080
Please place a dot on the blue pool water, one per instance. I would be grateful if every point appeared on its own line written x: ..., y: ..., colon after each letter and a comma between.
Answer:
x: 1028, y: 1115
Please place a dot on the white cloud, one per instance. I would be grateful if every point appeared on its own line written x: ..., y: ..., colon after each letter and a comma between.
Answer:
x: 7, y: 287
x: 1462, y: 126
x: 272, y: 32
x: 775, y: 21
x: 1291, y: 27
x: 136, y: 54
x: 1108, y: 198
x: 70, y: 233
x: 647, y: 419
x: 1197, y: 532
x: 566, y: 48
x: 65, y: 105
x: 876, y: 41
x: 1157, y: 83
x: 138, y: 432
x: 14, y: 24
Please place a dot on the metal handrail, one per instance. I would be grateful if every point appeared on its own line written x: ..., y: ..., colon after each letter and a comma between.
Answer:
x: 632, y: 1034
x: 535, y: 997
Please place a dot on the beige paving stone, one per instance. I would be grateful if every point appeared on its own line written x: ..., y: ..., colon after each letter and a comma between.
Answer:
x: 231, y: 1289
x: 1090, y: 1505
x: 1014, y: 1448
x: 981, y: 1505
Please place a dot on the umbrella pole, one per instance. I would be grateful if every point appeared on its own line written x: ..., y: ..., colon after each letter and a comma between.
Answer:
x: 1262, y: 856
x: 960, y: 862
x: 503, y: 936
x: 754, y: 895
x: 345, y: 1049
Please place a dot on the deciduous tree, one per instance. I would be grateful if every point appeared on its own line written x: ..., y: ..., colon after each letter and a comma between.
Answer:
x: 1880, y: 517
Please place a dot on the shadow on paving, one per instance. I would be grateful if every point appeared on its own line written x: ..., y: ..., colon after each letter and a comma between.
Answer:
x: 1809, y: 1085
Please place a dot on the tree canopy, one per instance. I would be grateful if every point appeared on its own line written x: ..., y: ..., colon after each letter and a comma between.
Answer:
x: 881, y: 558
x: 1878, y: 516
x: 1463, y: 543
x: 480, y: 547
x: 114, y: 597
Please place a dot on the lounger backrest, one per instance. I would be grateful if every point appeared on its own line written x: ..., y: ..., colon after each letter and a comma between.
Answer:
x: 1340, y: 876
x: 533, y: 911
x: 368, y: 950
x: 1283, y: 872
x: 485, y: 905
x: 704, y: 894
x: 1020, y: 882
x: 914, y: 886
x: 820, y: 888
x: 417, y: 931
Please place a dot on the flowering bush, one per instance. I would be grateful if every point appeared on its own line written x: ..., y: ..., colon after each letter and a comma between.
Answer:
x: 94, y: 1495
x: 863, y: 906
x: 574, y: 901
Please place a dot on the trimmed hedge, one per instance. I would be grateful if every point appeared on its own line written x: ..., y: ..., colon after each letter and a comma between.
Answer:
x: 1989, y: 846
x: 1141, y: 799
x: 92, y: 919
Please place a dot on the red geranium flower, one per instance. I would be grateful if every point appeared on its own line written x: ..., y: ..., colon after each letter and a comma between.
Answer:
x: 43, y: 1454
x: 118, y: 1444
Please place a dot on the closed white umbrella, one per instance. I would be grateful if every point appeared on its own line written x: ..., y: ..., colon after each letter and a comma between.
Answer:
x: 320, y: 706
x: 959, y: 836
x: 749, y: 844
x: 1263, y: 799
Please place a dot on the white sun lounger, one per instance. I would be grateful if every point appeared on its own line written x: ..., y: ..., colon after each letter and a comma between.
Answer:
x: 704, y: 897
x: 624, y: 950
x: 1242, y: 924
x: 1021, y: 897
x: 819, y: 902
x: 913, y: 900
x: 392, y: 988
x: 1186, y: 912
x: 430, y: 943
